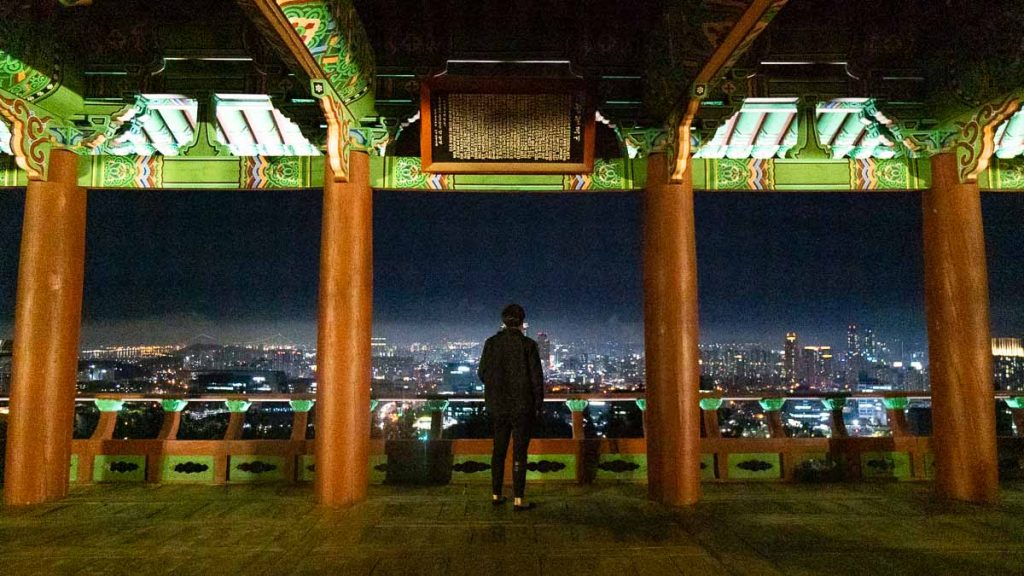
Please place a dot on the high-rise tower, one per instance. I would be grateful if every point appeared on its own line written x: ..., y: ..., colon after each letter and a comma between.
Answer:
x: 789, y: 359
x: 544, y: 348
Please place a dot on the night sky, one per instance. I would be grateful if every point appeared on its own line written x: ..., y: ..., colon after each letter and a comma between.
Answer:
x: 240, y: 266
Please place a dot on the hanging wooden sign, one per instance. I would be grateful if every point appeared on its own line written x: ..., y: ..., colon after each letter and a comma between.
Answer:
x: 506, y: 125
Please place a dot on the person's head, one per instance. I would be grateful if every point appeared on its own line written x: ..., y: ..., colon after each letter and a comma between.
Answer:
x: 512, y: 316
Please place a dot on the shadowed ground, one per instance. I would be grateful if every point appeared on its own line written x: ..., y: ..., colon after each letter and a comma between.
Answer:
x: 606, y: 529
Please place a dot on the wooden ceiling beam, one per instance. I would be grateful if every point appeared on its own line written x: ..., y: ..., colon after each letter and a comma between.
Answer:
x: 751, y: 23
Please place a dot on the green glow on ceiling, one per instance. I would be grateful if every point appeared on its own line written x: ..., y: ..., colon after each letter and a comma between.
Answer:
x: 763, y: 128
x: 855, y: 128
x: 1010, y: 137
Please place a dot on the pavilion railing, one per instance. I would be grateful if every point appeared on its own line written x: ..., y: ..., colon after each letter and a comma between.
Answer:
x: 582, y: 438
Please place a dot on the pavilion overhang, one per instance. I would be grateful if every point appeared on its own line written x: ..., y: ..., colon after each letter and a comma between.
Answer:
x: 259, y: 172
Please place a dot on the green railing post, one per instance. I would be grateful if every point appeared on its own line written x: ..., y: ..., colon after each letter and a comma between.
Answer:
x: 577, y: 406
x: 300, y: 417
x: 172, y: 418
x: 895, y: 409
x: 1016, y: 405
x: 109, y: 409
x: 835, y: 404
x: 237, y: 408
x: 108, y: 404
x: 173, y: 404
x: 436, y: 407
x: 709, y: 417
x: 641, y: 403
x: 772, y: 407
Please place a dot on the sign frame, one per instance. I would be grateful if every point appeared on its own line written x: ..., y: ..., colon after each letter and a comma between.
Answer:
x: 506, y: 85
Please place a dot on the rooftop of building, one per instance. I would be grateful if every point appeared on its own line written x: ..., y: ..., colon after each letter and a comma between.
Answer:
x: 864, y: 528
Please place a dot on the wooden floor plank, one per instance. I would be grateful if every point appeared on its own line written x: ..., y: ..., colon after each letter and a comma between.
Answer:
x: 595, y: 530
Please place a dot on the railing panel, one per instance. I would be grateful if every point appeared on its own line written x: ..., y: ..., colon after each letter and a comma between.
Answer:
x: 448, y: 440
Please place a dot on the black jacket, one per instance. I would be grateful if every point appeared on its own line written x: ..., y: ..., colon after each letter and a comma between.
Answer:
x: 511, y: 373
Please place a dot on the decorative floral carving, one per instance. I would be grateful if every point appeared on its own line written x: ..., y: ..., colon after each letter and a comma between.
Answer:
x: 545, y: 466
x: 30, y: 139
x: 471, y: 467
x: 755, y: 465
x: 620, y: 466
x: 122, y: 467
x: 257, y: 467
x: 976, y: 141
x: 191, y: 468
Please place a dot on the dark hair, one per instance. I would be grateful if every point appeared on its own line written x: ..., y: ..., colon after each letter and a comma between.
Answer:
x: 513, y: 316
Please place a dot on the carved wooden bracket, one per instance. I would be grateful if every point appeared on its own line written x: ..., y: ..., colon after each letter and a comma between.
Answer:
x: 754, y: 19
x: 339, y: 143
x: 975, y: 143
x: 30, y: 138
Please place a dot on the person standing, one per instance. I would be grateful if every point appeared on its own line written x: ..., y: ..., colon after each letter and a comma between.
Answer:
x: 514, y: 396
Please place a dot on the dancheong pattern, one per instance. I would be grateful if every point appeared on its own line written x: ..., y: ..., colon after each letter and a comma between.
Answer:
x: 271, y: 172
x: 132, y: 171
x: 607, y: 175
x: 744, y: 174
x: 407, y: 172
x: 878, y: 174
x: 333, y: 34
x: 1005, y: 174
x: 23, y: 81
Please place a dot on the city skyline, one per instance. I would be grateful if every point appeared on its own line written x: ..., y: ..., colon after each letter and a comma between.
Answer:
x: 241, y: 266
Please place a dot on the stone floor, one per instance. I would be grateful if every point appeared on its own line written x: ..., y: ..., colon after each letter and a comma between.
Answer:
x: 606, y: 529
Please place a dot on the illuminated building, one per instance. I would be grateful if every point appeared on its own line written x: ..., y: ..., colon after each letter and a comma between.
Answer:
x: 816, y: 365
x: 1008, y: 363
x: 380, y: 349
x: 544, y: 347
x: 854, y: 356
x: 6, y: 346
x: 790, y: 358
x: 460, y: 378
x: 237, y: 381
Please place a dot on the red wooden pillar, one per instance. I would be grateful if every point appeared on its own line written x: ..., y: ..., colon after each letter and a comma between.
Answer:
x: 959, y: 345
x: 46, y: 328
x: 343, y: 337
x: 671, y: 337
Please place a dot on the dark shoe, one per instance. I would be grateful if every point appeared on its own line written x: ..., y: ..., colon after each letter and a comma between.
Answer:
x: 499, y: 501
x: 525, y: 507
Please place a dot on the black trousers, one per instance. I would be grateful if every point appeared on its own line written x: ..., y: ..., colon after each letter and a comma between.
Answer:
x: 518, y: 427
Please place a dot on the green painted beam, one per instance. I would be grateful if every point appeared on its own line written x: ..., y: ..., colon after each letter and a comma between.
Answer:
x: 402, y: 173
